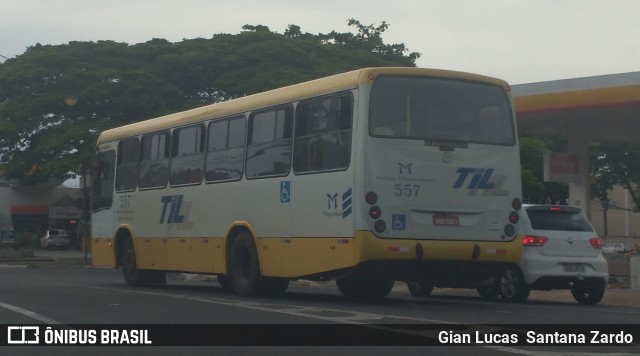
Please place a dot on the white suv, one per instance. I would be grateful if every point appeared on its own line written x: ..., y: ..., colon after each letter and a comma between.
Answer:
x: 561, y: 250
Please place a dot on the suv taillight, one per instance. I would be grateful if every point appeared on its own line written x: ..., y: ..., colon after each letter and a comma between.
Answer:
x: 596, y: 243
x: 533, y: 241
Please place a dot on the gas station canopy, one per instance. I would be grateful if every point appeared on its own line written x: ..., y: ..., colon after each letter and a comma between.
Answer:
x: 604, y: 107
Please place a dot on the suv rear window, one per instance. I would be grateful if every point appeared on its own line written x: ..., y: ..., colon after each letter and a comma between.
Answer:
x: 559, y: 220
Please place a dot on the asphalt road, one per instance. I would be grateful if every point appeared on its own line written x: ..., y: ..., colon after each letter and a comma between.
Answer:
x: 70, y: 294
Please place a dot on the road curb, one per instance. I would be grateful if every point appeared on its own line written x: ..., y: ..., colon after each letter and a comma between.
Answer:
x: 26, y: 259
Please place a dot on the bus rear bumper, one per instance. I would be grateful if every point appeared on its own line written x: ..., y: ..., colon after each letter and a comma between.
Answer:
x: 369, y: 247
x: 442, y: 263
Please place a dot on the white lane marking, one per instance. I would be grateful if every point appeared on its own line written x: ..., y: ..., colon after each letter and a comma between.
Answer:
x: 29, y: 313
x: 356, y: 318
x: 294, y: 310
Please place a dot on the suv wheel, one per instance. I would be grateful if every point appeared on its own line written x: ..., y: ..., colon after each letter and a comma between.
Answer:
x: 420, y: 289
x: 511, y: 286
x: 588, y: 294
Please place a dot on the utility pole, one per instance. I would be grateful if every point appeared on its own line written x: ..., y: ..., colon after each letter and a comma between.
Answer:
x: 606, y: 205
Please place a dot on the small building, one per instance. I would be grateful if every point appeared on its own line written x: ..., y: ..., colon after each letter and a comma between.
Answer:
x: 31, y: 210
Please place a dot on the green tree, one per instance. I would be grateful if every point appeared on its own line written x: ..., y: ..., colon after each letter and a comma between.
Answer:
x: 55, y: 100
x: 293, y: 31
x: 534, y: 188
x: 369, y: 38
x: 614, y: 163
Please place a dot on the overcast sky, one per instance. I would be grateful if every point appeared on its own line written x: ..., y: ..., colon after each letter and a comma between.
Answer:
x: 521, y: 41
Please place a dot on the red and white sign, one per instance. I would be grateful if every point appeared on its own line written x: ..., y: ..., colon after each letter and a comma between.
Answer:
x: 561, y: 167
x: 446, y: 220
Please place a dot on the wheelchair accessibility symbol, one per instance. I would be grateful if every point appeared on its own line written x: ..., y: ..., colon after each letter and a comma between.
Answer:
x: 285, y: 191
x: 399, y: 222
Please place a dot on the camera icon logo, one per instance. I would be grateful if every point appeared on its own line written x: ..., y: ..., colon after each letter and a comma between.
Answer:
x: 23, y: 335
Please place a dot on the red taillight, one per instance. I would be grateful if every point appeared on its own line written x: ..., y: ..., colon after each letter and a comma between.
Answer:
x: 596, y: 243
x: 375, y: 212
x: 555, y: 208
x: 534, y: 240
x: 514, y: 217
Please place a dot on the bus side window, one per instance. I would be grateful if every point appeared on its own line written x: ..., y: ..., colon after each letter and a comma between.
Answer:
x: 269, y: 146
x: 225, y: 150
x: 323, y: 135
x: 187, y: 155
x: 154, y: 163
x: 127, y: 170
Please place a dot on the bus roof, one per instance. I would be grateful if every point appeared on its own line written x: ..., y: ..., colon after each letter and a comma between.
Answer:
x: 296, y: 92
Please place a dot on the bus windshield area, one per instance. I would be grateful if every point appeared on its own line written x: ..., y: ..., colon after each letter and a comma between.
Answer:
x: 440, y: 110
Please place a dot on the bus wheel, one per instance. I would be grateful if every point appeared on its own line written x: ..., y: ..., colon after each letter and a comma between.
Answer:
x: 488, y: 293
x: 511, y: 285
x: 588, y: 294
x: 365, y: 286
x: 244, y: 267
x: 273, y: 286
x: 224, y: 282
x: 132, y: 275
x: 420, y: 289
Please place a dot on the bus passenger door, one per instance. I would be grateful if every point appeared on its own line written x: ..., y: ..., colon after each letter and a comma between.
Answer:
x: 323, y: 180
x: 322, y: 221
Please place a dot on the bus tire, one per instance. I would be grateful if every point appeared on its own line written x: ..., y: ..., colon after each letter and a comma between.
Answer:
x: 512, y: 286
x: 365, y: 286
x: 488, y: 293
x: 420, y: 289
x: 132, y: 274
x: 224, y: 282
x: 273, y: 286
x: 244, y: 266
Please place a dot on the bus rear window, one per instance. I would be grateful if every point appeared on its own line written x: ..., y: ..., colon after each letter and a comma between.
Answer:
x: 442, y: 110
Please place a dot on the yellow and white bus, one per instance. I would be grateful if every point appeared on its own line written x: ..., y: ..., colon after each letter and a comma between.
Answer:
x: 366, y: 177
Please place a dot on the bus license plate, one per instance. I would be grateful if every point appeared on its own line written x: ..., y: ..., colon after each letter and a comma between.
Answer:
x: 446, y: 220
x: 574, y: 268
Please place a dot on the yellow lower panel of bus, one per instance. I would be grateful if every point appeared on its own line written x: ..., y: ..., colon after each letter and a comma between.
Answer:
x: 188, y: 254
x: 102, y: 253
x: 294, y: 257
x: 368, y: 247
x: 202, y: 255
